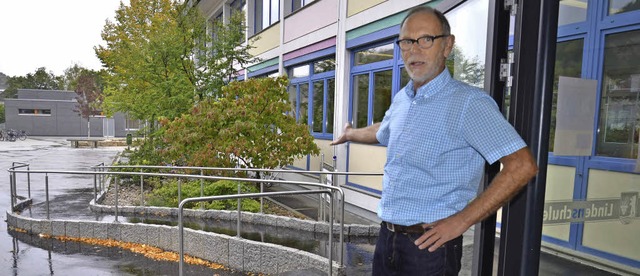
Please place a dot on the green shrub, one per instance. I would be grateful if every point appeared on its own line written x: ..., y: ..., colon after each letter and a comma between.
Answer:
x: 166, y: 195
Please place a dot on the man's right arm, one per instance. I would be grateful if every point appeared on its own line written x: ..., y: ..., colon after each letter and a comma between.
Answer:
x: 365, y: 135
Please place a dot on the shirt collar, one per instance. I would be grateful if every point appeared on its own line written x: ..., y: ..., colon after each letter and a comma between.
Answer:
x: 430, y: 88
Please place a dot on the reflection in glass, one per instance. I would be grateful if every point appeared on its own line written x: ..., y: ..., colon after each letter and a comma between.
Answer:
x: 568, y: 64
x: 622, y: 6
x: 293, y: 96
x: 572, y: 11
x: 300, y: 71
x: 466, y: 61
x: 404, y: 77
x: 360, y: 100
x: 318, y: 100
x: 326, y: 65
x: 304, y: 104
x: 620, y: 103
x: 382, y: 94
x: 331, y: 91
x: 375, y: 54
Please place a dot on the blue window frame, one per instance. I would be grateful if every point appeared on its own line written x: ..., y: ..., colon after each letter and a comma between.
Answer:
x: 312, y: 94
x: 375, y: 78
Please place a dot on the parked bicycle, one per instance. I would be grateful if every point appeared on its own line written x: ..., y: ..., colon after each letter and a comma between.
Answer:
x: 12, y: 135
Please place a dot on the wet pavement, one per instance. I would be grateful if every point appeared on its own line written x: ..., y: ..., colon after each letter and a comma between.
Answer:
x: 22, y: 254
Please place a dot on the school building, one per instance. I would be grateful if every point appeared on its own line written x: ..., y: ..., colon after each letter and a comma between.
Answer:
x: 582, y: 122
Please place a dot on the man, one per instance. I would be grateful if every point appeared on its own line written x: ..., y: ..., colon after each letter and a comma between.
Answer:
x: 438, y: 133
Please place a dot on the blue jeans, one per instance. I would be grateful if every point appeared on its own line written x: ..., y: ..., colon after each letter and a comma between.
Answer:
x: 396, y: 254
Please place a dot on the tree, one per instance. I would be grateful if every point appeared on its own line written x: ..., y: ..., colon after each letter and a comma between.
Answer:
x: 2, y: 116
x: 249, y: 126
x: 161, y: 59
x: 41, y: 79
x: 468, y: 70
x: 89, y: 97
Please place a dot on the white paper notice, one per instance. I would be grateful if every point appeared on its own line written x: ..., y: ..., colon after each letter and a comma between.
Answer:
x: 575, y: 116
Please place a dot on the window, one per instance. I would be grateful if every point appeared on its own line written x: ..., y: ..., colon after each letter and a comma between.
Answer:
x: 622, y: 6
x: 619, y: 125
x: 297, y: 4
x: 132, y: 124
x: 375, y: 54
x: 216, y: 22
x: 372, y: 84
x: 568, y: 64
x: 34, y: 112
x: 238, y: 6
x: 267, y: 12
x: 572, y: 11
x: 312, y: 94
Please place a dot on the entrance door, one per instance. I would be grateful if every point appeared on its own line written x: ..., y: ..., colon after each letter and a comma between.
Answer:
x: 108, y: 127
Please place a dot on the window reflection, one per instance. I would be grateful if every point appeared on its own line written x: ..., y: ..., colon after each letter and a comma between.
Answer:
x: 568, y: 64
x: 326, y: 65
x: 318, y: 101
x: 622, y: 6
x: 360, y: 100
x: 572, y: 11
x: 620, y: 103
x: 466, y: 61
x: 331, y: 91
x: 375, y: 54
x: 304, y: 104
x: 382, y: 94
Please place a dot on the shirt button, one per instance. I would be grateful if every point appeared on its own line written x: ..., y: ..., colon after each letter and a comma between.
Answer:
x: 414, y: 102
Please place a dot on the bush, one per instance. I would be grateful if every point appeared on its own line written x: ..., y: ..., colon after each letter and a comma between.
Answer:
x: 167, y: 194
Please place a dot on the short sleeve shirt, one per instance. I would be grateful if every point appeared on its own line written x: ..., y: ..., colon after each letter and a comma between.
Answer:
x: 438, y: 141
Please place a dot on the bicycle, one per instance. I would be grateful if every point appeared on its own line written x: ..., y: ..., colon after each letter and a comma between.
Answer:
x: 22, y: 135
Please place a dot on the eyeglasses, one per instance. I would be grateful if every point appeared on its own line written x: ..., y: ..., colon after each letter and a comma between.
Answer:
x: 424, y: 42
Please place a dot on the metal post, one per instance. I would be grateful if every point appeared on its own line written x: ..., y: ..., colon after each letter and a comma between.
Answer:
x: 201, y: 189
x: 116, y: 178
x: 141, y: 189
x: 239, y: 210
x: 46, y: 192
x: 95, y: 188
x: 321, y: 213
x: 331, y: 234
x: 28, y: 182
x: 180, y: 239
x: 12, y: 190
x: 179, y: 190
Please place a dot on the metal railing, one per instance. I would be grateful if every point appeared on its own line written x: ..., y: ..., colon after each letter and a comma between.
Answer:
x: 101, y: 171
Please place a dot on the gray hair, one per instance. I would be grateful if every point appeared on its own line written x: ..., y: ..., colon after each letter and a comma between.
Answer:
x: 446, y: 28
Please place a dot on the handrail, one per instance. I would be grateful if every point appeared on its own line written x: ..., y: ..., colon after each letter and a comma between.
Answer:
x: 263, y: 194
x: 12, y: 181
x: 13, y: 172
x: 244, y: 169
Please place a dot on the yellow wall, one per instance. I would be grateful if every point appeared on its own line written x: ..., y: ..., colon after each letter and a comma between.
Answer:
x: 301, y: 163
x: 314, y: 163
x: 356, y: 6
x: 615, y: 237
x: 269, y: 39
x: 560, y: 181
x: 367, y: 158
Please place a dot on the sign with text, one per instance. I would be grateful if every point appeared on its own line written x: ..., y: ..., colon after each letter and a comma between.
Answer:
x: 624, y: 209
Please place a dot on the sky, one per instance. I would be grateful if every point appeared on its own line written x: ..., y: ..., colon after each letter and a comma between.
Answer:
x: 55, y: 34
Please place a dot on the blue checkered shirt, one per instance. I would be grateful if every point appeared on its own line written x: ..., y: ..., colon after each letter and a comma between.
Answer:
x: 437, y: 143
